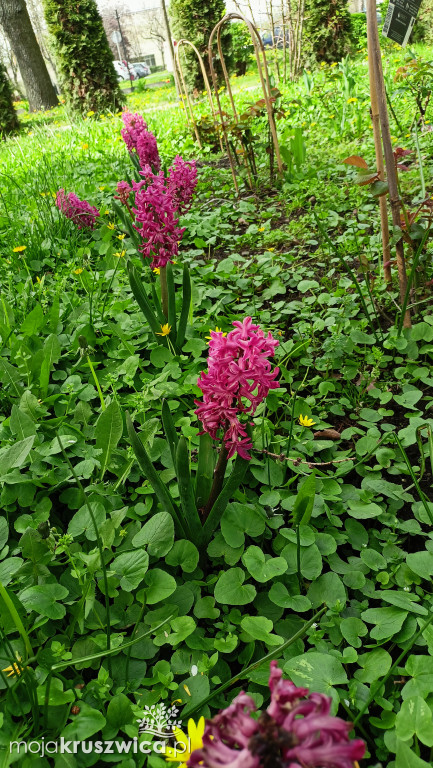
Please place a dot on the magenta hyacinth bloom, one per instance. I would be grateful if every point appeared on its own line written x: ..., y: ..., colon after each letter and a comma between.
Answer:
x: 296, y: 731
x: 139, y: 139
x: 239, y: 377
x: 155, y: 219
x: 134, y: 127
x: 181, y: 182
x: 123, y: 191
x: 147, y: 151
x: 79, y: 211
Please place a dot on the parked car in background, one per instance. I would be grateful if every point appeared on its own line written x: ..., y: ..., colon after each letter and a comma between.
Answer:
x: 126, y: 71
x: 278, y: 39
x: 140, y: 69
x: 121, y: 70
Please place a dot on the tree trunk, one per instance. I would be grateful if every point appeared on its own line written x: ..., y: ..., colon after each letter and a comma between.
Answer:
x: 16, y: 23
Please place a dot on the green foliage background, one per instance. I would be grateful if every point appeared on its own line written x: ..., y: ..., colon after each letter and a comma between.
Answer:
x: 327, y: 30
x: 8, y: 117
x: 84, y: 60
x: 194, y: 22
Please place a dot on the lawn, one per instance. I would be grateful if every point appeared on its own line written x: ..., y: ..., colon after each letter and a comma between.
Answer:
x: 121, y: 587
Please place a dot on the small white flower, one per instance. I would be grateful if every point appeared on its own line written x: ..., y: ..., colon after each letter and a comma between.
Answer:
x: 194, y: 670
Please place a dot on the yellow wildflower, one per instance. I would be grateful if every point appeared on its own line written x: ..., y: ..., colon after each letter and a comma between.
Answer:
x: 190, y: 742
x: 261, y: 229
x: 165, y: 330
x: 106, y: 213
x: 334, y: 64
x: 270, y: 249
x: 90, y: 113
x: 120, y: 254
x: 19, y: 248
x: 331, y: 117
x: 102, y: 188
x: 110, y: 225
x: 15, y: 669
x: 305, y: 421
x: 85, y: 146
x: 78, y: 271
x: 38, y: 280
x: 120, y: 237
x: 352, y: 100
x: 156, y: 271
x: 217, y: 330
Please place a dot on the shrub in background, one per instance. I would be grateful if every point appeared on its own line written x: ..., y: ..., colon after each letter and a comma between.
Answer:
x: 327, y: 30
x: 84, y: 60
x: 359, y: 30
x: 8, y: 117
x: 194, y: 22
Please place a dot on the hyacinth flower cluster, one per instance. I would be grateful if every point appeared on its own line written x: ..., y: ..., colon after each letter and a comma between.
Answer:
x: 239, y: 378
x: 181, y: 182
x: 140, y: 140
x: 296, y: 731
x: 156, y: 220
x: 79, y: 211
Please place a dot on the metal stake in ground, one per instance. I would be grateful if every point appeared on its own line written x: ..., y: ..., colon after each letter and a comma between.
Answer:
x: 394, y: 198
x: 386, y: 250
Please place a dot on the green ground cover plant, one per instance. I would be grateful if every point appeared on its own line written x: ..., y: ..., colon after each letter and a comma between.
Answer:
x: 319, y: 551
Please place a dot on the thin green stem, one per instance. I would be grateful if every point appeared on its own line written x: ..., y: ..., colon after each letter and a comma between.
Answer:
x: 95, y: 379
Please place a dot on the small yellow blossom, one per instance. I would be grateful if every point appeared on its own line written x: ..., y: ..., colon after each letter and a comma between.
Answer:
x: 106, y: 213
x: 14, y: 669
x: 331, y: 117
x: 270, y: 249
x: 261, y: 229
x: 38, y: 280
x: 352, y: 100
x: 334, y: 64
x: 90, y: 113
x: 156, y: 271
x: 305, y: 421
x: 120, y: 254
x: 85, y: 146
x: 165, y: 330
x: 190, y: 742
x: 78, y: 271
x: 19, y: 248
x: 120, y: 237
x: 322, y: 64
x: 313, y: 124
x: 110, y: 225
x: 102, y: 188
x: 217, y: 330
x: 42, y: 194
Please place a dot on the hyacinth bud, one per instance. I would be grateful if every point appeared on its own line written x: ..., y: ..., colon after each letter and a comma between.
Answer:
x: 123, y: 191
x: 139, y: 139
x: 79, y: 211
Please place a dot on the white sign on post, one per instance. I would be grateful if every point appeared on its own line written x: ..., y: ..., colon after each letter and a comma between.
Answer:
x: 116, y: 36
x: 400, y: 20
